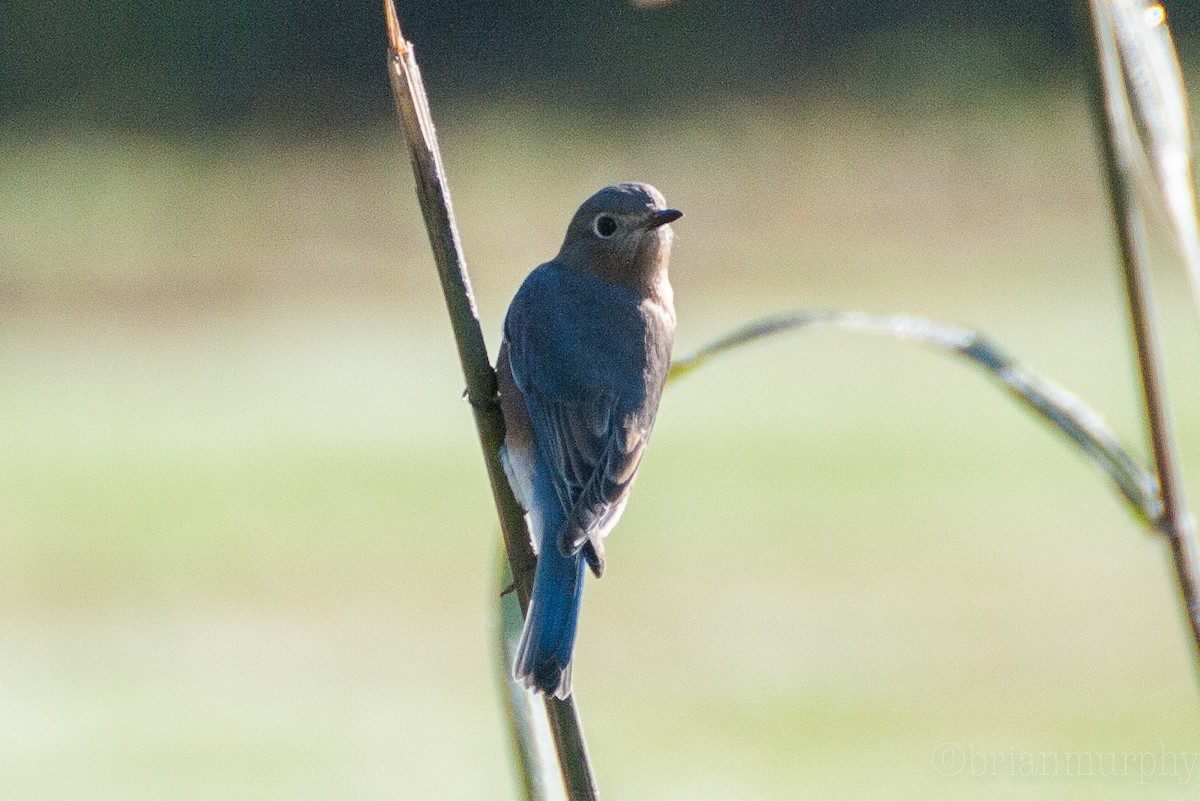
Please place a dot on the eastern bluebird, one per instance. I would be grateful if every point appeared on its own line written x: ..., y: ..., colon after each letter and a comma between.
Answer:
x: 587, y: 345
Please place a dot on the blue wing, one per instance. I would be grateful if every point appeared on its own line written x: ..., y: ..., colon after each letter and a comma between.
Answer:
x: 587, y: 359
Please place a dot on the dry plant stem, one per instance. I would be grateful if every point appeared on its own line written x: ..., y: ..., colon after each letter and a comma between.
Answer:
x: 1176, y: 524
x: 1047, y: 400
x: 528, y: 727
x: 412, y: 107
x: 433, y: 193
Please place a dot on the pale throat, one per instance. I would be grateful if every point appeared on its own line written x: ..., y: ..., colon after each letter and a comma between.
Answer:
x: 661, y: 293
x: 650, y: 267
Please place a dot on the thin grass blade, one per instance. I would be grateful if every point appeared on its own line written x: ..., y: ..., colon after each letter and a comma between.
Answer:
x: 1149, y: 107
x: 1115, y: 92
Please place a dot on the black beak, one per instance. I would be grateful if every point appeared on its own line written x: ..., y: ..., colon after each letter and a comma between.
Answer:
x: 662, y: 217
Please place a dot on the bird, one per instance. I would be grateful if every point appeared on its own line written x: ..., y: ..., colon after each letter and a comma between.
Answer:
x: 581, y: 368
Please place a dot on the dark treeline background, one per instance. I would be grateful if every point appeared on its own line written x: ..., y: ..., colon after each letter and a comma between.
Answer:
x: 152, y: 65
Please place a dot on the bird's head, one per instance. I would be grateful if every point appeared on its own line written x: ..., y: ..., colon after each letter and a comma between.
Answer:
x: 622, y: 234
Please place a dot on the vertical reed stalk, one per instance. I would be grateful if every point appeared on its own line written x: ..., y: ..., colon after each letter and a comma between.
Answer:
x: 433, y: 192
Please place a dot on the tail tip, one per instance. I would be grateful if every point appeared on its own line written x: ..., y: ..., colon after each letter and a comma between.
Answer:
x: 546, y: 676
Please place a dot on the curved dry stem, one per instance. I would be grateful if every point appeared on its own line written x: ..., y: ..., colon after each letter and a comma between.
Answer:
x: 1058, y: 407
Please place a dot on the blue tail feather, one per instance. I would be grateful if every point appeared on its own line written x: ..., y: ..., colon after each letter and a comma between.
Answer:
x: 544, y: 656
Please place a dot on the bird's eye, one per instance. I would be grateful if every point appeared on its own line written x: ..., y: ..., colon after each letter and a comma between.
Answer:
x: 604, y: 226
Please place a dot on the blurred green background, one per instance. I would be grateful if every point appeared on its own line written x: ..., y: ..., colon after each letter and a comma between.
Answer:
x: 246, y: 543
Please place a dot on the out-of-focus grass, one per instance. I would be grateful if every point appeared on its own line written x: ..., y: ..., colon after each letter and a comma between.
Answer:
x: 246, y: 546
